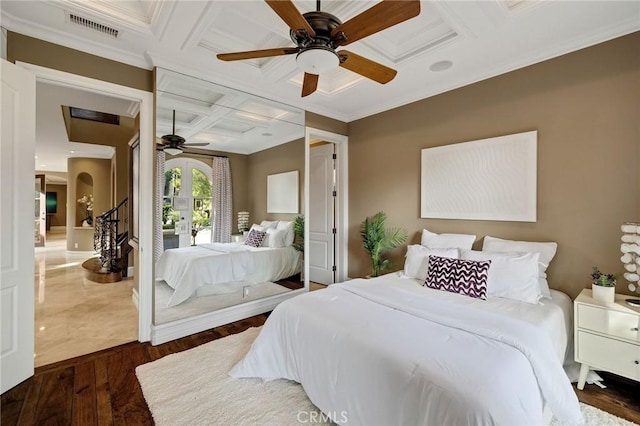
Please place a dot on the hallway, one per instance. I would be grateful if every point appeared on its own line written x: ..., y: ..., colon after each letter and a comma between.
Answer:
x: 75, y: 316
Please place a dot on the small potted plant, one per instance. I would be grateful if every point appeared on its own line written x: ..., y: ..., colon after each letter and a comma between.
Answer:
x: 603, y: 286
x: 376, y: 239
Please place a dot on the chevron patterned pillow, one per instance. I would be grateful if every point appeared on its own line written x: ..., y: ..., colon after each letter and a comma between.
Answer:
x: 467, y: 277
x: 255, y: 237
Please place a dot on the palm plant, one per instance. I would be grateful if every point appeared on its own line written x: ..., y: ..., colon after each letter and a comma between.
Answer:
x: 376, y: 239
x: 298, y: 232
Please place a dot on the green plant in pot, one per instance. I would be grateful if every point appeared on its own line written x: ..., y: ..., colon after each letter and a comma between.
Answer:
x: 298, y: 234
x: 376, y: 239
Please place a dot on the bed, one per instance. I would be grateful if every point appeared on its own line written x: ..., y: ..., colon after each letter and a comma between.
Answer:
x: 389, y: 351
x: 219, y: 268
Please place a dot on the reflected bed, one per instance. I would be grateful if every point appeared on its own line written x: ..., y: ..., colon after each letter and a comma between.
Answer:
x: 217, y: 268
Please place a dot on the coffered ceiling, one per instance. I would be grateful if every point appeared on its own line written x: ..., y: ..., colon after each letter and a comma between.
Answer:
x: 448, y: 45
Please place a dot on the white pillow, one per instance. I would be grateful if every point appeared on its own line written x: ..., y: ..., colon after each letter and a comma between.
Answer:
x: 275, y: 238
x: 546, y: 250
x: 460, y: 241
x: 288, y: 227
x: 417, y: 260
x: 511, y: 275
x: 258, y: 227
x: 269, y: 223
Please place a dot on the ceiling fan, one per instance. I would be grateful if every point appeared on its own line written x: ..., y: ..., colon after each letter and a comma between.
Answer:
x: 173, y: 144
x: 318, y: 34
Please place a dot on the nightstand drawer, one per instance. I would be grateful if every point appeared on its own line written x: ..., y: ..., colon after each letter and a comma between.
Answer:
x: 608, y: 354
x: 606, y: 321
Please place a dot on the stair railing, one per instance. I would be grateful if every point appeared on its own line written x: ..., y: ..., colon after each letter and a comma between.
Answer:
x: 109, y: 235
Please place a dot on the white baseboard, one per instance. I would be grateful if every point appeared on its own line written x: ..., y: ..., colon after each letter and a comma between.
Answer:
x: 162, y: 333
x: 83, y: 253
x: 134, y: 297
x: 58, y: 229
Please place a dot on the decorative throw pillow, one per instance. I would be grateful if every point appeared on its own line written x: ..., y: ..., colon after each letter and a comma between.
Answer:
x: 255, y: 237
x: 417, y: 259
x: 466, y: 277
x: 460, y: 241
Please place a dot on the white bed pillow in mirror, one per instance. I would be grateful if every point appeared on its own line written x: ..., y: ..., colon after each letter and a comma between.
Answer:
x: 288, y: 227
x: 417, y: 260
x: 269, y: 223
x: 460, y: 241
x: 547, y: 251
x: 275, y: 238
x: 511, y: 275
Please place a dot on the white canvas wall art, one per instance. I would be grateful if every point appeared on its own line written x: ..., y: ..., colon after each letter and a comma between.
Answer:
x: 282, y: 192
x: 488, y: 179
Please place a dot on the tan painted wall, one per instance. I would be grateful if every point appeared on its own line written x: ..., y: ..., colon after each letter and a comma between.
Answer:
x: 118, y: 136
x: 586, y: 109
x: 38, y: 52
x: 282, y: 158
x: 60, y: 217
x: 100, y: 172
x: 325, y: 123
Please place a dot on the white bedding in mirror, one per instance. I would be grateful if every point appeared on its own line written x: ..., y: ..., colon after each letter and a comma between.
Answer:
x: 213, y: 268
x: 389, y: 351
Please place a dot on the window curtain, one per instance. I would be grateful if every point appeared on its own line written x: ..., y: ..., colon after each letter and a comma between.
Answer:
x: 222, y: 200
x: 158, y: 240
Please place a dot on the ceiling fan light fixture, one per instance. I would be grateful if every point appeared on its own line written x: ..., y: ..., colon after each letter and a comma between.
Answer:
x: 172, y: 151
x: 317, y: 60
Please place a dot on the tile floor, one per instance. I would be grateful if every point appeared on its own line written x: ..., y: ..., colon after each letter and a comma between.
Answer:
x: 75, y: 316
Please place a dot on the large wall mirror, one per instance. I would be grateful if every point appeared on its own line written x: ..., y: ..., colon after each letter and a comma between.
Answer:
x: 226, y: 145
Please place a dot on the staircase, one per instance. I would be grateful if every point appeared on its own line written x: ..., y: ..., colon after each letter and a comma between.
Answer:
x: 111, y: 241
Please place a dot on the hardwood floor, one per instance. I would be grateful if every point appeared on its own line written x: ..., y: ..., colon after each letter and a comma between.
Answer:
x: 102, y: 389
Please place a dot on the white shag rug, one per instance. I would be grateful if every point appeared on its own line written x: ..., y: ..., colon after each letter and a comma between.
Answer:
x: 193, y: 388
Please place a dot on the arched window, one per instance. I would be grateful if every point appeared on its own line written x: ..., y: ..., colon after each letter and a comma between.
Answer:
x: 187, y: 203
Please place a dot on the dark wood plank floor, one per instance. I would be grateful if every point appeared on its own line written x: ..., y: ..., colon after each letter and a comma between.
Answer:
x: 102, y: 389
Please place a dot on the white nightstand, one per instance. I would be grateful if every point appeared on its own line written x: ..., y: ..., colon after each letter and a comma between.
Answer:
x: 606, y: 336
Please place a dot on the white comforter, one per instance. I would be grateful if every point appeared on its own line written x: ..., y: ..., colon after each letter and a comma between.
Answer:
x: 390, y: 352
x: 207, y: 268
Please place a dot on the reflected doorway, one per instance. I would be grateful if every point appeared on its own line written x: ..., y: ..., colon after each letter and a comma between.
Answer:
x: 187, y: 203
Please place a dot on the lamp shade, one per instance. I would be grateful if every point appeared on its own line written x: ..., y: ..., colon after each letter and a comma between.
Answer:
x: 172, y: 151
x: 317, y: 60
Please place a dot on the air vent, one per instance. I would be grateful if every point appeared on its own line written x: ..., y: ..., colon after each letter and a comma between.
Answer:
x: 87, y: 23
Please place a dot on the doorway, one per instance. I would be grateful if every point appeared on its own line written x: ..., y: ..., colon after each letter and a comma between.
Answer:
x: 322, y: 213
x: 326, y: 207
x: 144, y: 267
x: 186, y: 203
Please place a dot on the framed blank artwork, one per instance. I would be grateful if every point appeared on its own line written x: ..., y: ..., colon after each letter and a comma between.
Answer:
x: 282, y: 192
x: 487, y: 179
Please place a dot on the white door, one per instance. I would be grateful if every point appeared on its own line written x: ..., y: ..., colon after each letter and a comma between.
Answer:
x: 187, y: 203
x: 17, y: 169
x: 322, y: 214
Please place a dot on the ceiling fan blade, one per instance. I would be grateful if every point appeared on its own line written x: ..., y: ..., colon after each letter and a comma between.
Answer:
x: 288, y: 12
x: 366, y: 67
x: 309, y: 84
x: 377, y: 18
x: 252, y: 54
x: 195, y: 144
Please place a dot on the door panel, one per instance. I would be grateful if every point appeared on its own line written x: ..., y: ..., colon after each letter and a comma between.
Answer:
x: 321, y: 214
x: 17, y: 150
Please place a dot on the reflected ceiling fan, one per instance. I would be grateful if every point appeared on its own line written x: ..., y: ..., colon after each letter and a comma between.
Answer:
x: 172, y: 144
x: 318, y: 34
